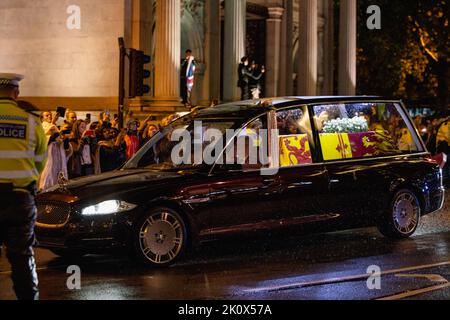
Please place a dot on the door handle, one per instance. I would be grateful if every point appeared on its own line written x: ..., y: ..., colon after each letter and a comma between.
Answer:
x: 335, y: 181
x: 219, y: 195
x: 302, y: 184
x: 197, y: 200
x: 207, y: 198
x: 269, y: 181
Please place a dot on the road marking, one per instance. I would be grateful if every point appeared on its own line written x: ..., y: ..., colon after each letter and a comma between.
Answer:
x: 415, y: 292
x: 431, y: 277
x: 299, y: 285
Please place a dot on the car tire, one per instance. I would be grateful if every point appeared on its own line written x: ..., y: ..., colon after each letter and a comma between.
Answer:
x: 402, y: 217
x: 160, y: 237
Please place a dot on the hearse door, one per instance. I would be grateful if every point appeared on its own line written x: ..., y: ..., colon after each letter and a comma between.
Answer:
x: 304, y: 191
x: 244, y: 199
x: 304, y: 183
x: 346, y: 191
x: 340, y: 132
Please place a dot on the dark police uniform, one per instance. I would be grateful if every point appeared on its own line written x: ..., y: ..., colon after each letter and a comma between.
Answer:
x: 23, y: 150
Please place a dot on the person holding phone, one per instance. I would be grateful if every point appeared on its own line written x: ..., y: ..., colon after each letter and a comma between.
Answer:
x: 49, y: 123
x: 115, y: 121
x: 66, y: 134
x: 61, y: 111
x: 255, y: 80
x: 71, y: 117
x: 88, y: 119
x: 82, y: 162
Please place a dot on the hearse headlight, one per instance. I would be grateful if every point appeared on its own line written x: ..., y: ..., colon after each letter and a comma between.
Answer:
x: 108, y: 207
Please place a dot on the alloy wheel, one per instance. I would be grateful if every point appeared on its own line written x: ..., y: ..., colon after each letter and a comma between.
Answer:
x: 162, y: 237
x: 406, y: 213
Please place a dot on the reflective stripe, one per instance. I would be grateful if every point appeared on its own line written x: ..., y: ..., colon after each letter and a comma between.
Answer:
x: 40, y: 158
x: 16, y: 154
x: 23, y: 174
x: 13, y: 118
x: 31, y: 133
x: 19, y: 162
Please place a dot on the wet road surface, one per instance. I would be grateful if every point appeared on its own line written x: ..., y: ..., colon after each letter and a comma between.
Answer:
x: 315, y: 267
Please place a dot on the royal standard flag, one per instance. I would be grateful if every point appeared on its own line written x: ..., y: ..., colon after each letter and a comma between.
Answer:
x: 294, y: 150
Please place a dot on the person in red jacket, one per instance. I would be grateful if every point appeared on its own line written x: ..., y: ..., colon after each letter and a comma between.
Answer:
x: 129, y: 139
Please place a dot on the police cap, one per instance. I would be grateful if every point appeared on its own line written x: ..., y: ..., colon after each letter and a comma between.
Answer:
x: 10, y: 79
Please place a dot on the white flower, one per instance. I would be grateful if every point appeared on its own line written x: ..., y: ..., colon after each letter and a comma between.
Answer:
x: 347, y: 125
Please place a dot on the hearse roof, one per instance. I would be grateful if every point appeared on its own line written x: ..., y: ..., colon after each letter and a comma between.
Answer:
x: 249, y: 108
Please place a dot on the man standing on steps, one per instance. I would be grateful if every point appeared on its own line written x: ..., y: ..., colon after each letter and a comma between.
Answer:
x: 188, y: 66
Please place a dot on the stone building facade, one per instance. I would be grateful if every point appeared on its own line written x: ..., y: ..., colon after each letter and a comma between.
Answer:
x: 68, y: 49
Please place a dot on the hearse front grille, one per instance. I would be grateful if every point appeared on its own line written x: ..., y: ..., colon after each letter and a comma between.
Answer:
x: 53, y: 213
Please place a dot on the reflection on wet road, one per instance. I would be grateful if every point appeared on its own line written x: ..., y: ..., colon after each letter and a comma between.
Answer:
x: 321, y: 266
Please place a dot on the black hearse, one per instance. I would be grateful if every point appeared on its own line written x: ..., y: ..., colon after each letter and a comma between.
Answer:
x: 333, y: 162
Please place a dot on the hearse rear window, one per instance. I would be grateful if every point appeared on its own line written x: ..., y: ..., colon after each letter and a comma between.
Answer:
x: 362, y: 130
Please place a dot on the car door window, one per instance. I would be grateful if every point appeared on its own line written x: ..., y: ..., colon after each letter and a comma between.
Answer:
x: 362, y: 130
x: 248, y: 150
x: 295, y: 137
x: 185, y: 143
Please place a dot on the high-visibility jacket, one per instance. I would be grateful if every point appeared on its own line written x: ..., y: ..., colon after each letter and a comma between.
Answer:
x: 23, y: 145
x: 443, y: 134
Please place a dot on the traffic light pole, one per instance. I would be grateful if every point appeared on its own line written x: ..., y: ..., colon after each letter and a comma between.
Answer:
x: 138, y: 74
x: 123, y: 53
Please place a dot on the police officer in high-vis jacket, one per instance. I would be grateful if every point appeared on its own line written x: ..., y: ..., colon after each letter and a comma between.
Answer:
x: 23, y: 150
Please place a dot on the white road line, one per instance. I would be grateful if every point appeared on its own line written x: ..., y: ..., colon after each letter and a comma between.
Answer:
x: 430, y: 277
x: 416, y: 292
x: 342, y: 279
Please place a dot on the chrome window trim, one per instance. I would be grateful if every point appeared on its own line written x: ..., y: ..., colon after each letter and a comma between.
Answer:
x: 238, y: 131
x: 401, y: 157
x: 401, y: 110
x: 349, y: 160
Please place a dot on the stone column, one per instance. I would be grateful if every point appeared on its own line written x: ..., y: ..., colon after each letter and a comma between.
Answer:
x: 141, y: 39
x: 211, y: 83
x: 273, y: 45
x: 286, y: 85
x: 320, y: 47
x: 141, y: 25
x: 329, y: 48
x: 167, y: 53
x: 307, y: 53
x: 235, y: 31
x: 347, y: 48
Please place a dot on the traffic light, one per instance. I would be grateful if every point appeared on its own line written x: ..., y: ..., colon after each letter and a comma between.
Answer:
x: 138, y: 73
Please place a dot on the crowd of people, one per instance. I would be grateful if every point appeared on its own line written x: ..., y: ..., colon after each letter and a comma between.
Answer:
x: 78, y: 148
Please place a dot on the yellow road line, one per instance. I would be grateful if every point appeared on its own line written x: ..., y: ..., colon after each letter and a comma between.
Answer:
x: 415, y: 292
